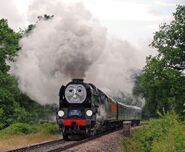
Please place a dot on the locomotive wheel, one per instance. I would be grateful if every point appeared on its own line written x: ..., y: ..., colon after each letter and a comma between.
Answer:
x: 87, y: 134
x: 65, y: 136
x: 93, y: 132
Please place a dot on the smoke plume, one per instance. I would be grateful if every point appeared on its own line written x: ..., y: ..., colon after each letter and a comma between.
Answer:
x: 72, y: 45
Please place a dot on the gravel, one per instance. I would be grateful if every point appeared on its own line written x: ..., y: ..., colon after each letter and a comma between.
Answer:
x: 105, y: 143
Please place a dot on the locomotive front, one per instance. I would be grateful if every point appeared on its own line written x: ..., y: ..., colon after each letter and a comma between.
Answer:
x: 75, y: 113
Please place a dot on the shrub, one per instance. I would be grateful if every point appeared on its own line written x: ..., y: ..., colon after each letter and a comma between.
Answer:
x: 166, y: 134
x: 22, y: 128
x: 49, y: 128
x: 18, y: 128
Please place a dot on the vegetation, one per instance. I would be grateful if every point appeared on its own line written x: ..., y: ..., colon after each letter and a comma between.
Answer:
x: 161, y: 83
x: 162, y: 80
x: 23, y: 128
x: 15, y: 107
x: 22, y: 140
x: 166, y: 134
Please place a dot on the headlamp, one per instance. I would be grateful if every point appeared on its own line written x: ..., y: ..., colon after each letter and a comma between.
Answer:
x: 89, y: 113
x: 60, y: 113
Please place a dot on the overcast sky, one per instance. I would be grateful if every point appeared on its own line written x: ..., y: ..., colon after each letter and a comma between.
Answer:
x: 131, y: 20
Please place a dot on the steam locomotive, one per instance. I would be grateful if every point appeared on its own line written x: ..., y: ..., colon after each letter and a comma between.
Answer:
x: 86, y: 110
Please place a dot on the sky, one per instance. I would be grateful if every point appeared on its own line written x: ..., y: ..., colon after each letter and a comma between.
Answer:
x: 131, y: 20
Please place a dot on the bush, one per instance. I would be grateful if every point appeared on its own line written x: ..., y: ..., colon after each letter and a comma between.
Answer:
x: 22, y: 128
x: 166, y: 134
x: 48, y: 128
x: 18, y: 128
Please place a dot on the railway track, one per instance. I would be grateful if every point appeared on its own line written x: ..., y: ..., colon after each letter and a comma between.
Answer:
x: 45, y: 146
x: 58, y: 145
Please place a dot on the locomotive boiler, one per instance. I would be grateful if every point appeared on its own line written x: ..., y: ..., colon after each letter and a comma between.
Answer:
x: 86, y: 110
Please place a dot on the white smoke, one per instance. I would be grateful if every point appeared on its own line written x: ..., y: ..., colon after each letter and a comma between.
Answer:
x: 72, y: 45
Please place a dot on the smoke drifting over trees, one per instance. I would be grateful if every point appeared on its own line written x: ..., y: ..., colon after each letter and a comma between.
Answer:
x: 72, y: 45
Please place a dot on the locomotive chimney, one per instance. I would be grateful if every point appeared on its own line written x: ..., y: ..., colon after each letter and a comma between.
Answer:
x: 77, y: 80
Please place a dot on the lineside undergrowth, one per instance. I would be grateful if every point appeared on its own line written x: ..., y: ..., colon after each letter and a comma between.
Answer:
x: 166, y: 134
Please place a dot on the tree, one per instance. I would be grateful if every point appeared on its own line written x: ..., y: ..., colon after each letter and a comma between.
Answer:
x: 162, y: 80
x: 14, y: 105
x: 170, y: 41
x: 9, y: 44
x: 45, y: 17
x: 10, y: 109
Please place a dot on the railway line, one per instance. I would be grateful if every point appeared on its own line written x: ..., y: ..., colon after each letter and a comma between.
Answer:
x: 60, y: 144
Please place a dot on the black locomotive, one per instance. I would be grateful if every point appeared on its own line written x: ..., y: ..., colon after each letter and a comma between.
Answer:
x: 86, y: 110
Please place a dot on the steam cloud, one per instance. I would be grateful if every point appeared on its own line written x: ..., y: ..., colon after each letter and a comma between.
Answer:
x: 72, y: 45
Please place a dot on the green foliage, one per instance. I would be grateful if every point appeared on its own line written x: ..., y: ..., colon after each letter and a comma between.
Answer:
x: 166, y: 134
x: 31, y: 27
x: 17, y: 128
x: 9, y: 44
x: 15, y: 107
x: 162, y: 80
x: 11, y: 110
x: 170, y: 40
x: 23, y: 128
x: 48, y: 128
x: 20, y: 114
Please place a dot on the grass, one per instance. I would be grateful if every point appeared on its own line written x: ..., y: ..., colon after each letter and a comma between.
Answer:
x: 16, y: 141
x: 22, y: 128
x: 21, y: 134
